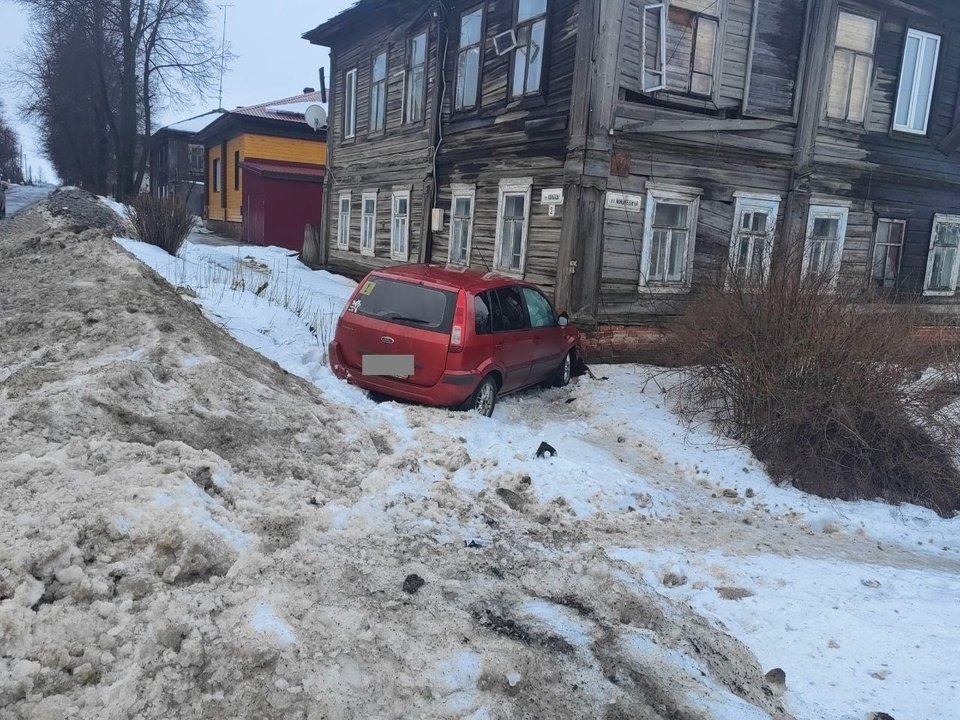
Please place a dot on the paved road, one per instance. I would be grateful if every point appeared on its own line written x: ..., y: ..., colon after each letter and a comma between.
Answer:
x: 20, y: 196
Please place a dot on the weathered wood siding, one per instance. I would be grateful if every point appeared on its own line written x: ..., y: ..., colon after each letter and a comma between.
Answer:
x: 776, y: 62
x: 875, y: 171
x: 398, y: 156
x: 507, y: 138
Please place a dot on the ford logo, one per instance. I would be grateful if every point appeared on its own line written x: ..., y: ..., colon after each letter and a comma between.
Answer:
x: 387, y: 340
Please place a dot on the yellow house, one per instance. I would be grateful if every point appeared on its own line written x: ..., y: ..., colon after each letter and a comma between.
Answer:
x: 273, y: 141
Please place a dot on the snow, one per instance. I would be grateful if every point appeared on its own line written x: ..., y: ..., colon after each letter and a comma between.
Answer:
x: 119, y: 208
x: 641, y: 487
x: 195, y: 124
x: 266, y: 621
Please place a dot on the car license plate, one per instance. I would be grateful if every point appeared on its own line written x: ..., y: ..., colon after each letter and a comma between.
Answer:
x: 399, y: 366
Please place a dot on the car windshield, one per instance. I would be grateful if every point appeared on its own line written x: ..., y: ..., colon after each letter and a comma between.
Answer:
x: 406, y: 303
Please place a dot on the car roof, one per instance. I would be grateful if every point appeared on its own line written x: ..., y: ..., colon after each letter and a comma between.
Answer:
x: 449, y: 276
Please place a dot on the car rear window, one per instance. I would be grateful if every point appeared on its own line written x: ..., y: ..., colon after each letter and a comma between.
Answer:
x: 406, y: 303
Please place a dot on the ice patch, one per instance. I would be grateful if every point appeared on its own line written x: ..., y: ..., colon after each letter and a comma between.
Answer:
x: 700, y: 689
x: 192, y: 502
x: 559, y: 620
x: 457, y: 681
x: 265, y: 620
x: 190, y: 361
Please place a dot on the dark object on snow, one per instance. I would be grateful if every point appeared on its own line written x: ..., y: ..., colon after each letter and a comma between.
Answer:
x: 569, y: 400
x: 776, y: 677
x: 413, y: 583
x: 544, y: 449
x: 514, y: 501
x: 472, y: 544
x: 881, y: 716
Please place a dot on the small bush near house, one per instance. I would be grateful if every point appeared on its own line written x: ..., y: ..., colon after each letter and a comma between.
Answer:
x: 834, y: 394
x: 164, y: 222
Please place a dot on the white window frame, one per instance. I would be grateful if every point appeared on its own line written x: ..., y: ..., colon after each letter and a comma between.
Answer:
x: 368, y: 249
x: 217, y: 169
x: 749, y: 202
x: 513, y: 186
x: 408, y: 85
x: 404, y: 253
x: 343, y: 226
x: 662, y: 7
x: 350, y: 108
x: 877, y: 245
x: 840, y: 212
x: 460, y: 103
x: 462, y: 191
x: 937, y: 220
x: 674, y: 195
x: 923, y: 38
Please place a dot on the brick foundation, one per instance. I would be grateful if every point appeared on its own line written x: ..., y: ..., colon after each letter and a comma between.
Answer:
x: 630, y: 343
x: 225, y: 229
x: 660, y: 346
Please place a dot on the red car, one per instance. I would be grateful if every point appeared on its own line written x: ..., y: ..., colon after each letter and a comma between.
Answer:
x: 451, y: 337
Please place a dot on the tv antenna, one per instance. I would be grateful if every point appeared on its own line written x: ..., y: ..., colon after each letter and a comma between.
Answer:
x: 223, y: 53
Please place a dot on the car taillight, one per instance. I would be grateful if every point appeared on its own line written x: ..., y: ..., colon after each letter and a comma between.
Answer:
x: 459, y: 320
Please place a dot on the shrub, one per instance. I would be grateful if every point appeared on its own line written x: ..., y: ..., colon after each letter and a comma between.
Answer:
x: 833, y: 393
x: 162, y: 221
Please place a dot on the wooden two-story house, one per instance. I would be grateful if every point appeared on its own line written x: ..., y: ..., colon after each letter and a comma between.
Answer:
x: 626, y: 154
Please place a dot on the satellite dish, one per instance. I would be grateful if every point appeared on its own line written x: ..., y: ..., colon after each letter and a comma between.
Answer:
x: 316, y: 117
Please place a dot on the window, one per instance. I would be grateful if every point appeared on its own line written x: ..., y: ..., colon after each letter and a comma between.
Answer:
x: 416, y: 77
x: 826, y: 230
x: 406, y: 303
x: 368, y: 223
x: 666, y: 259
x: 461, y: 224
x: 468, y: 60
x: 512, y: 214
x: 350, y: 104
x: 531, y: 45
x: 689, y: 29
x: 539, y: 309
x: 481, y: 312
x: 196, y: 158
x: 400, y: 225
x: 886, y: 252
x: 917, y: 73
x: 508, y: 310
x: 754, y: 228
x: 852, y: 71
x: 654, y: 46
x: 236, y: 170
x: 216, y: 175
x: 378, y: 93
x: 942, y: 262
x: 343, y: 222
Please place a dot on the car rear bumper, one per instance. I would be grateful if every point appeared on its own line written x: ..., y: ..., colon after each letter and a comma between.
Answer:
x: 453, y: 388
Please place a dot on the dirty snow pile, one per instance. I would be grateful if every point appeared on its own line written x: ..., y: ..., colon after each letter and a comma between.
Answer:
x: 857, y: 602
x: 188, y: 530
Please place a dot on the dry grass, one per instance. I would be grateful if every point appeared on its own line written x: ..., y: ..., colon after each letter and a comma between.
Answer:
x: 164, y: 222
x: 836, y: 395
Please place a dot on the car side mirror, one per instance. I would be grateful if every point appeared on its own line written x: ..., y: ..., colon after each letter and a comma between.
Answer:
x: 563, y: 321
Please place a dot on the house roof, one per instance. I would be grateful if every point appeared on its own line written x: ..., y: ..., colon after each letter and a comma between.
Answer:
x: 285, y: 170
x: 193, y: 125
x: 283, y: 117
x: 289, y: 109
x: 357, y: 16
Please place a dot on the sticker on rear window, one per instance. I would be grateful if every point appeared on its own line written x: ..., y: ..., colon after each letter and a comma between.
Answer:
x: 367, y: 287
x: 355, y: 305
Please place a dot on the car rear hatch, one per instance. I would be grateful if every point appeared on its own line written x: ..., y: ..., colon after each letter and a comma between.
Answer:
x: 387, y: 316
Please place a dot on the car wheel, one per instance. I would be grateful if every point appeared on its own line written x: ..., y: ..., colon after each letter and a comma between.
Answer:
x: 563, y: 374
x: 484, y: 398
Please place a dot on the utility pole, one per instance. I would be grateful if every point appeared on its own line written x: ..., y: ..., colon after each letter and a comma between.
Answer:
x: 223, y: 53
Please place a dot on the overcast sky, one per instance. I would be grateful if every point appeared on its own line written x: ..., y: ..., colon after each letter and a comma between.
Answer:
x: 272, y: 60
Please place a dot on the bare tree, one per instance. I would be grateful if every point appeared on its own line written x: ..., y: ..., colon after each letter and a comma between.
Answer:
x: 146, y: 54
x: 9, y: 151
